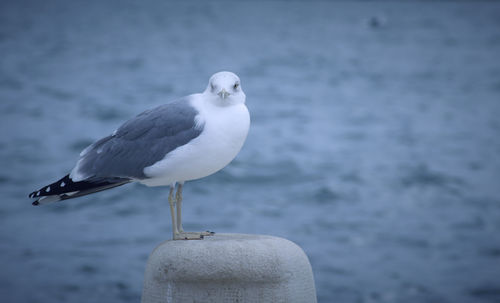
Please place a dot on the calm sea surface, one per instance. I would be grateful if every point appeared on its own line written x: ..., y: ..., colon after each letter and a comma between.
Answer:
x: 374, y: 145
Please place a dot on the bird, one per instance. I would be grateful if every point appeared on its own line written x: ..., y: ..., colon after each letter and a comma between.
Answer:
x: 187, y: 139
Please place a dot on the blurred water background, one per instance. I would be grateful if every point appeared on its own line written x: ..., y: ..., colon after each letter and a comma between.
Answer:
x: 374, y: 144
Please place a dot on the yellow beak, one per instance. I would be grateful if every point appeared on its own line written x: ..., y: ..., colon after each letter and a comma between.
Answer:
x: 223, y: 94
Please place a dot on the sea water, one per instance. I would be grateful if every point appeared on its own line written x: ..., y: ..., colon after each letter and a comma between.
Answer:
x: 374, y: 144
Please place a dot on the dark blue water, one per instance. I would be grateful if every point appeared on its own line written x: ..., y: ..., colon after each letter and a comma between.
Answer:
x: 374, y: 145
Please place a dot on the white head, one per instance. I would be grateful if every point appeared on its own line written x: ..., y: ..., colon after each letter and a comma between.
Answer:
x: 225, y: 87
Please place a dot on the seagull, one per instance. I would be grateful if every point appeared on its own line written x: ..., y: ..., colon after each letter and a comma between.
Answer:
x: 187, y: 139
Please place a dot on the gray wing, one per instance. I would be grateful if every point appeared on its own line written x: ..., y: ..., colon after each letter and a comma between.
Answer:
x: 140, y: 142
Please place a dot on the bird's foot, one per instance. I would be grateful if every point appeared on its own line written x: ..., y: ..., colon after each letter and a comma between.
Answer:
x: 192, y: 235
x: 207, y: 233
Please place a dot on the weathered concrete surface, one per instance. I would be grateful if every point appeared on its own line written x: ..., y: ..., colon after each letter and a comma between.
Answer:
x: 229, y: 268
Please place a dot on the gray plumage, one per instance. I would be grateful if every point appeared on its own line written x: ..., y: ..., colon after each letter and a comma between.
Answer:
x: 140, y: 142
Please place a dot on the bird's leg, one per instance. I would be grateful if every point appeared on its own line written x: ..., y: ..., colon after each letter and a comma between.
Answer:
x: 181, y: 234
x: 178, y: 198
x: 171, y: 201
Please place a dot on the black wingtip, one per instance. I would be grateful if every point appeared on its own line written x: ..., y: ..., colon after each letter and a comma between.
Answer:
x: 35, y: 203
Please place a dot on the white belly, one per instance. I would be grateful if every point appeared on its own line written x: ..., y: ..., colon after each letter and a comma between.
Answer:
x: 225, y: 130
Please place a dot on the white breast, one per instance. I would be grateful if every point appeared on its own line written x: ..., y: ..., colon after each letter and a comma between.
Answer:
x: 224, y: 132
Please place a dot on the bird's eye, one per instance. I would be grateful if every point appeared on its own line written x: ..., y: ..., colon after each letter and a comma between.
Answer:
x: 236, y: 85
x: 212, y: 86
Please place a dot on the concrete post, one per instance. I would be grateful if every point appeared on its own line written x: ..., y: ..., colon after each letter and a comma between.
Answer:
x: 229, y: 268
